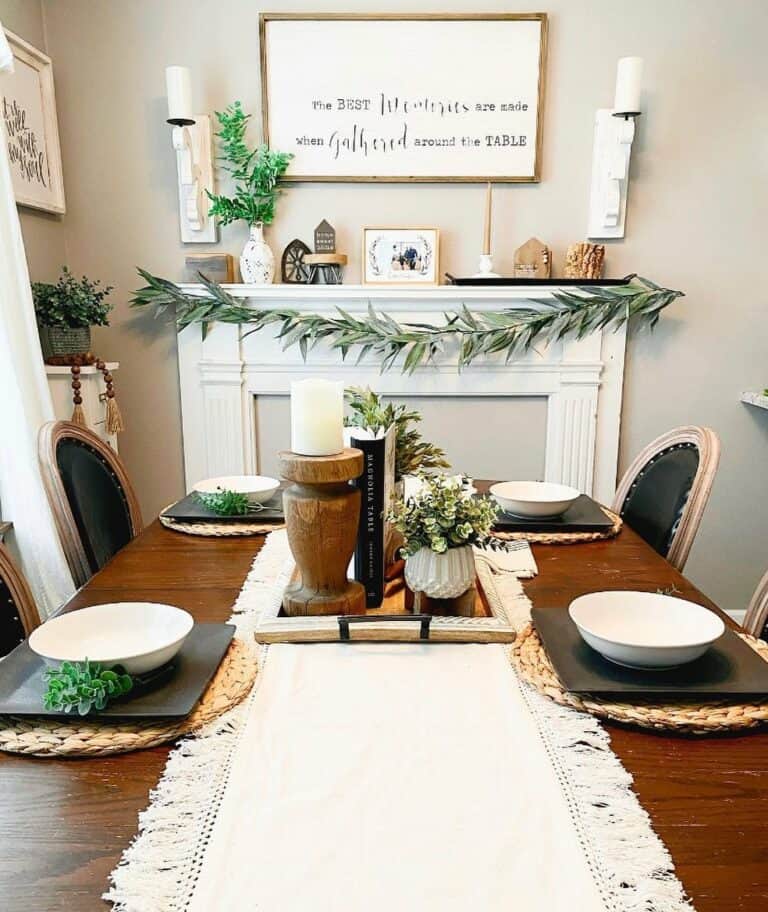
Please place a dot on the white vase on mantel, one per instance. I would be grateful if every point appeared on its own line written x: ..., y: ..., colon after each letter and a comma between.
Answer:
x: 257, y: 262
x: 446, y: 575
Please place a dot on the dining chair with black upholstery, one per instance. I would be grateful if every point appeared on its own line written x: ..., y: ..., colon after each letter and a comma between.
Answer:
x: 756, y: 618
x: 18, y: 613
x: 93, y: 502
x: 663, y: 493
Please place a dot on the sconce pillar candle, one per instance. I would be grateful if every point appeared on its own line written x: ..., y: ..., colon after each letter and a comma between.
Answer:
x: 614, y: 133
x: 322, y: 514
x: 179, y: 92
x: 629, y: 72
x: 193, y: 141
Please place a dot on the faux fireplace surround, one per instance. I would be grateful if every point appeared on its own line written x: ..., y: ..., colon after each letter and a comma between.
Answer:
x: 221, y: 376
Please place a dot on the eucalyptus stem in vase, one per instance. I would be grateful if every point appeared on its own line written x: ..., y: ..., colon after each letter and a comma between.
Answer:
x: 256, y: 174
x: 439, y: 525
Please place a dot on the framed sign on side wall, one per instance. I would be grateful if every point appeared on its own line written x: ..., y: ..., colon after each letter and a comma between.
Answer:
x: 399, y: 97
x: 29, y: 115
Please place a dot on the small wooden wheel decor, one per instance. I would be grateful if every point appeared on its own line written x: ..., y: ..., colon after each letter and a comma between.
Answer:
x: 293, y: 269
x: 114, y: 419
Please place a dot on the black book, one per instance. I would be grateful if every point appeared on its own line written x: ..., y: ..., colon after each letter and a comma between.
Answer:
x: 376, y: 485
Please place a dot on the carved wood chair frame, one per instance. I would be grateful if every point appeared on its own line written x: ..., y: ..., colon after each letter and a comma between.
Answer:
x: 707, y: 443
x: 756, y: 617
x: 21, y: 594
x: 51, y: 434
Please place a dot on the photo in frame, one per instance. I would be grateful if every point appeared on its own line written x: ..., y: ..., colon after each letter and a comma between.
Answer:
x: 401, y: 256
x: 29, y: 114
x: 405, y: 96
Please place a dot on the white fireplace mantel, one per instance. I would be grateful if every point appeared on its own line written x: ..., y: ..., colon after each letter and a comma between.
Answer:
x: 221, y: 376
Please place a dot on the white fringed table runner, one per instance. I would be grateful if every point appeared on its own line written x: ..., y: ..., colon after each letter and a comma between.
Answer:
x: 380, y: 777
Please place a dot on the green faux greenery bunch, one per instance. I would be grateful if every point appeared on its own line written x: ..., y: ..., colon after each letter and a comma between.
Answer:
x: 255, y: 172
x: 442, y: 516
x: 71, y: 302
x: 413, y: 455
x: 225, y: 502
x: 84, y: 687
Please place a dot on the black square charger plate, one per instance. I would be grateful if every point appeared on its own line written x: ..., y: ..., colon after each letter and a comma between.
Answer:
x: 190, y: 510
x: 173, y: 694
x: 729, y: 668
x: 583, y: 515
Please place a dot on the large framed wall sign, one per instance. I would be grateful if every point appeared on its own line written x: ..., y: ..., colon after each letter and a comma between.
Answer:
x: 29, y: 113
x: 399, y: 97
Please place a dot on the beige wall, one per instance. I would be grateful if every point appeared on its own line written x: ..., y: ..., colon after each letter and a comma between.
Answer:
x: 44, y: 234
x: 696, y: 219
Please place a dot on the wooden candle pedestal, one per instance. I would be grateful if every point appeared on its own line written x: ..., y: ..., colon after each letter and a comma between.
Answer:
x: 322, y: 513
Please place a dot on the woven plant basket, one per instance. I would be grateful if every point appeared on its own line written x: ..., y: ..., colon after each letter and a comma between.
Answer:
x: 66, y: 340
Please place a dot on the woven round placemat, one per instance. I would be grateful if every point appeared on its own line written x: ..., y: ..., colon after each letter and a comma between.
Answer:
x: 82, y: 737
x: 690, y: 717
x: 564, y: 538
x: 220, y: 529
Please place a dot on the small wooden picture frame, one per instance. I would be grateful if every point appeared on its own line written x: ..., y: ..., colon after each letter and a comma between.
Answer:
x: 216, y: 267
x: 401, y: 256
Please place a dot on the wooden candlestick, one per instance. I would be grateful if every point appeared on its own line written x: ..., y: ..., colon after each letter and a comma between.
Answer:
x: 322, y: 513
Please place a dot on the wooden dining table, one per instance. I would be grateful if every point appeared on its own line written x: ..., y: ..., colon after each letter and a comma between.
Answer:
x: 65, y: 823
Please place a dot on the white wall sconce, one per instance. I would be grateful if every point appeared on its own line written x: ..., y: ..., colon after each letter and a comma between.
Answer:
x: 192, y: 141
x: 614, y: 132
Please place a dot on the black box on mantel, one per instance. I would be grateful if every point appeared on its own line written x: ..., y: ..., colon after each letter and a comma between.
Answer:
x: 376, y: 487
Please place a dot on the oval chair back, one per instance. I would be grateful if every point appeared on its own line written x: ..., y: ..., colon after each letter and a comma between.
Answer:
x: 663, y: 493
x: 756, y: 618
x: 18, y: 613
x: 92, y: 499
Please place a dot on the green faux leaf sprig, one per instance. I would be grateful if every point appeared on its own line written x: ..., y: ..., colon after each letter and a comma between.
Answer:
x: 84, y: 687
x: 255, y: 172
x: 510, y: 332
x: 442, y: 516
x: 225, y: 502
x: 413, y: 454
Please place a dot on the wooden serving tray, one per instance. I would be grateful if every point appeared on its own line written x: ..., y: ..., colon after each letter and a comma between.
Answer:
x: 475, y: 618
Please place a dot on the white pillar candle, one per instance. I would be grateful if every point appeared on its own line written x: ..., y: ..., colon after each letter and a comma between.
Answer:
x: 628, y: 75
x: 179, y: 91
x: 317, y: 417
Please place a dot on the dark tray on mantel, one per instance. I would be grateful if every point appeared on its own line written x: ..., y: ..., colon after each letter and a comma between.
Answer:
x: 190, y: 510
x: 511, y: 281
x: 583, y: 515
x: 170, y: 693
x: 729, y: 668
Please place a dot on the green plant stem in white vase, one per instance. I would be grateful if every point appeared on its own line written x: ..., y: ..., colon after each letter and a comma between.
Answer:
x: 439, y: 526
x: 256, y: 174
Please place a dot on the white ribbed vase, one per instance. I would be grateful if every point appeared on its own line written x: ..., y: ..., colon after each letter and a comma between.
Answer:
x: 446, y: 575
x: 257, y: 262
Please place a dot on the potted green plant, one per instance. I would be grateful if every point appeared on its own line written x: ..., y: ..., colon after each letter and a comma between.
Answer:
x: 439, y: 525
x: 413, y: 454
x: 67, y: 310
x: 256, y: 173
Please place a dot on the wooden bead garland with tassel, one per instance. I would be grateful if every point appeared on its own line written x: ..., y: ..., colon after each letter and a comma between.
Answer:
x: 114, y: 419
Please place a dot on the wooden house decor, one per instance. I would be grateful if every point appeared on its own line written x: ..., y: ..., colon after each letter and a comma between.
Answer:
x: 533, y: 260
x: 325, y: 238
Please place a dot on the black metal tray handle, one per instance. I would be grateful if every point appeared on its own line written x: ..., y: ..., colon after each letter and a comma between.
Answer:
x: 346, y: 619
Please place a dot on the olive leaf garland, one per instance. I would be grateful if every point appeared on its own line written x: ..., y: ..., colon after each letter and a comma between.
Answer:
x: 512, y: 331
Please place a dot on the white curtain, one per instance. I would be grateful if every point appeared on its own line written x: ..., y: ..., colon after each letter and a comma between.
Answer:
x: 25, y: 404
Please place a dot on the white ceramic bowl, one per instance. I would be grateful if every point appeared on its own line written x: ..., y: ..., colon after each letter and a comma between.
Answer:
x: 139, y: 636
x: 644, y: 629
x: 533, y: 499
x: 259, y: 488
